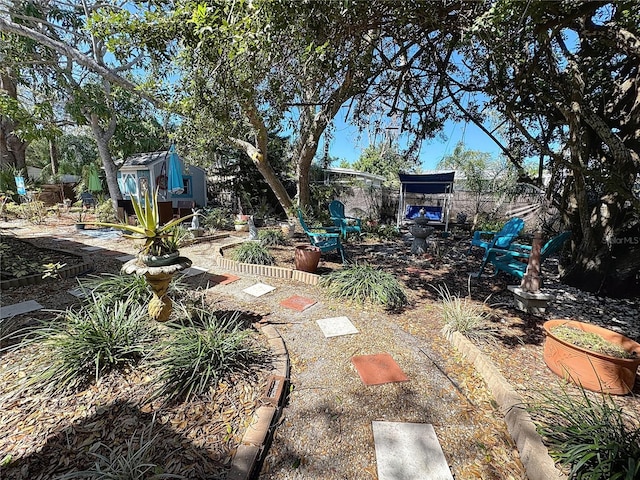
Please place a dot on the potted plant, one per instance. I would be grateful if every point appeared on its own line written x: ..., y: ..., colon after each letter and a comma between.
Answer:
x: 80, y: 218
x: 241, y: 223
x: 594, y: 357
x: 160, y: 246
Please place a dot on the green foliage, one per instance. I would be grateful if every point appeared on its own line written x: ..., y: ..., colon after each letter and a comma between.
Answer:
x: 590, y: 434
x: 111, y: 289
x: 466, y: 317
x: 195, y: 356
x: 104, y: 211
x: 362, y: 283
x: 386, y: 161
x: 253, y: 252
x: 272, y: 237
x: 34, y: 212
x: 88, y: 343
x: 135, y: 464
x: 218, y: 219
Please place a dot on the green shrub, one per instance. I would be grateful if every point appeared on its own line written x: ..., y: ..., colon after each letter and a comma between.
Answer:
x: 363, y: 283
x: 253, y: 252
x: 468, y: 318
x: 218, y: 219
x: 88, y: 343
x: 194, y: 357
x: 589, y: 434
x: 272, y: 237
x: 113, y: 288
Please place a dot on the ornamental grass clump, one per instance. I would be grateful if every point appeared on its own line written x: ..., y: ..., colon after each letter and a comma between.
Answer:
x: 272, y: 237
x: 85, y: 344
x: 590, y: 341
x: 464, y: 316
x: 364, y: 283
x: 253, y: 252
x: 589, y: 434
x: 198, y: 354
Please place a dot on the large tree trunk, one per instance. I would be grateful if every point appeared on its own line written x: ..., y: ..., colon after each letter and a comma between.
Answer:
x: 102, y: 140
x: 12, y: 148
x: 53, y: 156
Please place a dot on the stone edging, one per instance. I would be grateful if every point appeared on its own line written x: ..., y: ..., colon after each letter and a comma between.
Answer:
x: 258, y: 434
x: 64, y: 272
x: 533, y: 453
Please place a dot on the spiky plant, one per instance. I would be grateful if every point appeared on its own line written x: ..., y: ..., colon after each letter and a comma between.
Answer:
x: 253, y: 252
x: 197, y: 355
x: 589, y: 433
x: 87, y: 343
x: 362, y: 283
x: 464, y: 316
x: 272, y: 237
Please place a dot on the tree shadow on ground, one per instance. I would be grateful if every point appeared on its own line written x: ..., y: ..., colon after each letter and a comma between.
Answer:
x: 107, y: 432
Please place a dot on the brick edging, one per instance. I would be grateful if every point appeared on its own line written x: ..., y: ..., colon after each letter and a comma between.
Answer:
x: 256, y: 438
x: 533, y: 453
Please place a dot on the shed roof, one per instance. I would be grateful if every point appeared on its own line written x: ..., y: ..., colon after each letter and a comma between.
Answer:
x: 144, y: 159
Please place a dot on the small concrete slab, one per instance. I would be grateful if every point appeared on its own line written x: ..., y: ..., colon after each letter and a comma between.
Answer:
x: 378, y: 369
x: 409, y: 451
x: 259, y: 289
x: 298, y: 303
x: 337, y: 326
x: 91, y: 249
x: 19, y: 308
x: 77, y: 292
x: 125, y: 258
x: 193, y: 271
x: 222, y: 279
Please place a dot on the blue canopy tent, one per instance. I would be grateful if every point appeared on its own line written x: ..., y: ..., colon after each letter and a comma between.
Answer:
x: 419, y: 186
x: 175, y: 183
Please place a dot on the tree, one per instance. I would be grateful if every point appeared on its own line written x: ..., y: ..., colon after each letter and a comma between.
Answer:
x: 386, y: 161
x: 568, y: 82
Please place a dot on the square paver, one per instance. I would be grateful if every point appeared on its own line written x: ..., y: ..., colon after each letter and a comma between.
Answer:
x: 334, y: 327
x: 77, y: 292
x: 259, y: 289
x: 298, y: 303
x: 378, y: 369
x: 192, y: 271
x: 222, y: 279
x: 125, y: 258
x: 19, y: 308
x: 91, y: 249
x: 112, y: 253
x: 409, y: 451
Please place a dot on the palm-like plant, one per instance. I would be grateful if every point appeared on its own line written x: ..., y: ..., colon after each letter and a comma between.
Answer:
x: 157, y: 237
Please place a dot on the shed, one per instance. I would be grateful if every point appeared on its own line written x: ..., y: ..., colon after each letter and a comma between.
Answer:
x: 430, y: 192
x: 148, y: 171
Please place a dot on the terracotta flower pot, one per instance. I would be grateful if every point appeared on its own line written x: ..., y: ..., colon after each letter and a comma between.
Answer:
x: 594, y: 371
x: 306, y: 258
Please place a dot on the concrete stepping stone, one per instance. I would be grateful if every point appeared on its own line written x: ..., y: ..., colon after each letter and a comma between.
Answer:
x: 77, y: 292
x: 259, y: 289
x: 378, y: 369
x: 112, y: 253
x: 125, y: 258
x: 337, y: 326
x: 298, y: 303
x: 409, y: 451
x: 192, y: 271
x: 91, y: 249
x: 19, y: 308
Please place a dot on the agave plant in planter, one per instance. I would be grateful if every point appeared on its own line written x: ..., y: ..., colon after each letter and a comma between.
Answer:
x: 161, y: 246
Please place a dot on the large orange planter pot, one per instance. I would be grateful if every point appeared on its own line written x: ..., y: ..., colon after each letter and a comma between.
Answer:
x: 306, y: 258
x: 594, y: 371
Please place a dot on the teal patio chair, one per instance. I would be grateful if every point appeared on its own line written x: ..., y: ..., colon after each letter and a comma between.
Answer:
x: 326, y: 241
x: 344, y: 223
x: 500, y: 239
x: 514, y: 261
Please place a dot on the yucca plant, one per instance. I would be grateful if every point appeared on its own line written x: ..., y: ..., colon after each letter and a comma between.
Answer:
x: 195, y: 356
x: 135, y: 463
x: 87, y: 343
x: 468, y: 318
x: 272, y: 237
x: 158, y: 238
x: 253, y: 252
x: 363, y: 283
x: 589, y: 434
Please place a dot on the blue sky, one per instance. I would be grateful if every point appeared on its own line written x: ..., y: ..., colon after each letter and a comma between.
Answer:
x: 348, y: 143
